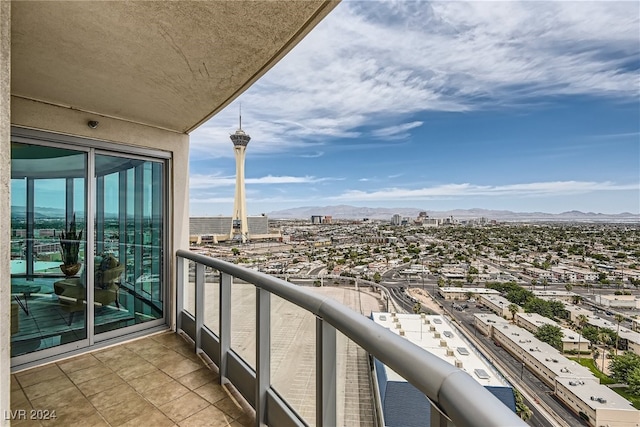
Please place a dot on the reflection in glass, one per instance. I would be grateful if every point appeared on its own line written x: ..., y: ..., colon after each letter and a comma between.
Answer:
x: 48, y: 199
x: 128, y: 284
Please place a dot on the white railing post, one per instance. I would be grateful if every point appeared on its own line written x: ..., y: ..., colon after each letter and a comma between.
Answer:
x: 199, y: 305
x: 225, y: 323
x: 263, y: 354
x: 179, y: 291
x: 325, y: 374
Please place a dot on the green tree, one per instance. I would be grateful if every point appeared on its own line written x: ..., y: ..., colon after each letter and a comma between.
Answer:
x: 522, y: 410
x: 417, y: 307
x: 551, y: 334
x: 633, y: 381
x: 581, y: 320
x: 513, y: 309
x: 590, y: 333
x: 619, y: 318
x: 377, y: 277
x: 621, y: 366
x: 235, y: 251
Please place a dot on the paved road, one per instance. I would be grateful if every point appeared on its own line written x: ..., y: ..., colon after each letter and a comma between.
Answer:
x: 544, y: 393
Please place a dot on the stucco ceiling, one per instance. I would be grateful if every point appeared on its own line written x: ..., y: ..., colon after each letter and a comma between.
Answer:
x: 170, y: 65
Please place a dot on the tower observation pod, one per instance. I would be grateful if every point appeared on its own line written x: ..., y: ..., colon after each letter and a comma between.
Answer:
x: 239, y: 226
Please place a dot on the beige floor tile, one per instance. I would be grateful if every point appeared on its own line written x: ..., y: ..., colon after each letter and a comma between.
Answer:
x: 90, y: 373
x: 208, y: 417
x: 181, y: 368
x: 68, y: 397
x: 126, y: 410
x: 78, y: 363
x: 170, y: 339
x: 18, y: 398
x: 165, y: 393
x: 151, y: 380
x: 115, y: 357
x: 112, y: 397
x: 245, y: 420
x: 211, y: 392
x: 47, y: 387
x: 24, y: 422
x: 153, y: 418
x: 184, y: 406
x: 198, y: 378
x: 15, y: 385
x: 36, y: 375
x: 136, y: 369
x: 168, y: 357
x: 19, y: 401
x: 97, y: 385
x: 230, y: 407
x: 80, y: 414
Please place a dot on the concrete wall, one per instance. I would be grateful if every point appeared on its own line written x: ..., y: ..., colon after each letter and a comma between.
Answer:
x: 46, y: 117
x: 5, y: 207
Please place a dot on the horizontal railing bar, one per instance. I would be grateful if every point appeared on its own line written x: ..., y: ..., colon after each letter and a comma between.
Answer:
x: 444, y: 384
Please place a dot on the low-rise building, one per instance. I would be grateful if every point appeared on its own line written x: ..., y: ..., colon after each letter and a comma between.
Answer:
x: 618, y: 301
x: 572, y: 383
x: 595, y: 403
x: 497, y: 304
x: 564, y: 296
x: 629, y: 340
x: 453, y: 293
x: 401, y: 403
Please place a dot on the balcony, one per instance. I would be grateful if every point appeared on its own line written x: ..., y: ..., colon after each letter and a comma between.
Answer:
x: 236, y: 326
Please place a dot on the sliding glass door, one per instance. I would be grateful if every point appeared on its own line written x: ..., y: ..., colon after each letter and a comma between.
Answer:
x: 87, y: 224
x: 128, y: 228
x: 48, y: 247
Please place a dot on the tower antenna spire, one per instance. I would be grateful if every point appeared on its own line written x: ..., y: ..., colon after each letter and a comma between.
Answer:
x: 240, y: 115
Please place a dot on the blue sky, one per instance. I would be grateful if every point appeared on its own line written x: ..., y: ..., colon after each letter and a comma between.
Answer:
x: 525, y: 106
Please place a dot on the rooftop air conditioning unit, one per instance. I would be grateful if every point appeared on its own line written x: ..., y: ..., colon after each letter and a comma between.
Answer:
x: 459, y: 364
x: 436, y: 334
x: 426, y: 321
x: 401, y: 332
x: 398, y: 325
x: 432, y: 328
x: 422, y: 315
x: 449, y: 352
x: 443, y: 343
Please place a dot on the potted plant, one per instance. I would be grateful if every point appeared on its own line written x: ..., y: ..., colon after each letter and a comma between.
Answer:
x: 70, y: 248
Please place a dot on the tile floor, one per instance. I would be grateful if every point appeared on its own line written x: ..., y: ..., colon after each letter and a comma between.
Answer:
x: 154, y: 381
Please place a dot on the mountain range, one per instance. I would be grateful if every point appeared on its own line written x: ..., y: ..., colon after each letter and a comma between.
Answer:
x: 357, y: 212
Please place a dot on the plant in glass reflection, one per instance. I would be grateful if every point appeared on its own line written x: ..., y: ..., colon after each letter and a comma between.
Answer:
x: 70, y: 243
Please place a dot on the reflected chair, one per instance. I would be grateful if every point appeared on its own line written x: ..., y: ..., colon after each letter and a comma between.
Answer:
x: 72, y: 293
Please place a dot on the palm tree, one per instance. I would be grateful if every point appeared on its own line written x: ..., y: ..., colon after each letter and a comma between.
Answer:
x: 582, y: 320
x: 605, y: 339
x: 513, y: 309
x: 619, y: 318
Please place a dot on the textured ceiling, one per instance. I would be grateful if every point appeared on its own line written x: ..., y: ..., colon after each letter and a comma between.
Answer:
x: 166, y: 64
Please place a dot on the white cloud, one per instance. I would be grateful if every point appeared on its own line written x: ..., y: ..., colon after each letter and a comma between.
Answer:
x: 197, y: 182
x: 372, y: 64
x: 555, y: 188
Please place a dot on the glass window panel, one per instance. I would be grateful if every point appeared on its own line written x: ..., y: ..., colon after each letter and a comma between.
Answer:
x: 128, y: 283
x: 212, y: 300
x: 243, y: 321
x: 48, y: 231
x: 293, y: 356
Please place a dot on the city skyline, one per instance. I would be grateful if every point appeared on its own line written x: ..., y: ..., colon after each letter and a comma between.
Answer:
x: 525, y: 107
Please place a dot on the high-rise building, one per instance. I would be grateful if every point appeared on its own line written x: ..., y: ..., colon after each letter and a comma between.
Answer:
x: 239, y: 224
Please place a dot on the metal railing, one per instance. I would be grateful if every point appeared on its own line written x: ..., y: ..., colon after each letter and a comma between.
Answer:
x: 456, y: 398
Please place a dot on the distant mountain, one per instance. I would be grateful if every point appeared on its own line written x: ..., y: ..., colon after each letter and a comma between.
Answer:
x: 357, y: 212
